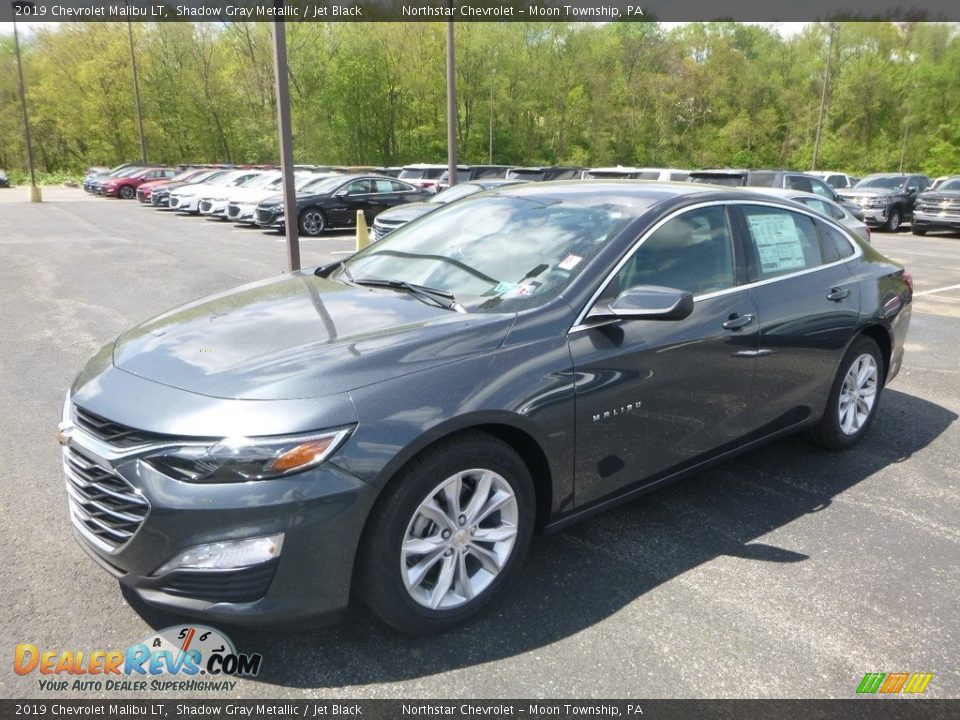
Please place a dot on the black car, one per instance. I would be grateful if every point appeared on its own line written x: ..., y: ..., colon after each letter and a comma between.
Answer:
x: 389, y: 220
x: 887, y: 199
x: 402, y: 422
x: 939, y: 209
x: 333, y: 202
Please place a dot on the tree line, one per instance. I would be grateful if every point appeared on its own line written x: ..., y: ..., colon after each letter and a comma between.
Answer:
x: 698, y: 95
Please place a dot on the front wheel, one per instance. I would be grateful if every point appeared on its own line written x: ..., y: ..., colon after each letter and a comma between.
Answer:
x: 893, y: 222
x: 853, y: 399
x: 127, y: 192
x: 312, y: 222
x: 448, y: 534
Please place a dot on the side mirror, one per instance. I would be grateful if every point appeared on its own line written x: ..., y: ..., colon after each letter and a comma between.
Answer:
x: 340, y: 193
x: 646, y: 302
x: 912, y: 190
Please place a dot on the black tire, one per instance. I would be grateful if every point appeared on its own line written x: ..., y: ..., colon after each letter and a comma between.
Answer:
x: 828, y: 432
x: 918, y: 230
x: 127, y: 192
x: 312, y: 222
x: 379, y: 579
x: 893, y: 221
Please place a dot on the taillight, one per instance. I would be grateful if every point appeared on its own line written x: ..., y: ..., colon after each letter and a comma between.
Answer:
x: 908, y: 279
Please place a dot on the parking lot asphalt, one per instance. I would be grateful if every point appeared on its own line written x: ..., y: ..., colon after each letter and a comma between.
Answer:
x: 789, y: 572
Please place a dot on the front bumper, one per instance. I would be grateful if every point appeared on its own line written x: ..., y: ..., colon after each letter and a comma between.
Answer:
x: 188, y: 203
x: 876, y: 215
x: 152, y: 517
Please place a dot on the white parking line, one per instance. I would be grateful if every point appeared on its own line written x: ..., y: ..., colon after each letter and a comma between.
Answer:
x: 938, y: 290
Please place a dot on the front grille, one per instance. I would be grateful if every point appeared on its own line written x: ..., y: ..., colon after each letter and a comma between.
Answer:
x: 205, y: 205
x: 158, y: 199
x: 233, y: 211
x: 104, y: 507
x: 264, y: 217
x: 142, y: 195
x: 111, y: 432
x: 234, y: 586
x: 174, y: 201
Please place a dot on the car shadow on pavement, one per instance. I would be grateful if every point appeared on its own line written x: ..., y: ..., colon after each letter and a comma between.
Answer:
x: 576, y: 578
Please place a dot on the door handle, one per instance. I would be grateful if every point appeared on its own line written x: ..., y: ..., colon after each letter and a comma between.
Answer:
x: 838, y: 294
x: 737, y: 321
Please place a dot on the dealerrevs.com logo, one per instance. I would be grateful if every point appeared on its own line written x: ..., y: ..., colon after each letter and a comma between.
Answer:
x: 172, y: 659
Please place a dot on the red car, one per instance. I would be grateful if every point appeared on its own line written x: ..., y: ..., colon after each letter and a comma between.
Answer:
x: 146, y: 188
x: 125, y: 186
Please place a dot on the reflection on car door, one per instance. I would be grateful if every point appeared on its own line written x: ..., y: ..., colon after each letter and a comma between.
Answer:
x: 652, y: 395
x: 808, y: 306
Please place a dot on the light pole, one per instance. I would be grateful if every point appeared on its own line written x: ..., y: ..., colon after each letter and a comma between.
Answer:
x: 35, y: 195
x: 284, y: 125
x: 136, y: 94
x: 823, y: 97
x: 451, y: 104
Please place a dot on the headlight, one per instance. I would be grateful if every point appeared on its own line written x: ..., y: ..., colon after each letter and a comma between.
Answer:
x: 243, y: 459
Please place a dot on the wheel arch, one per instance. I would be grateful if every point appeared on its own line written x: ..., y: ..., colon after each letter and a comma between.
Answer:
x: 882, y: 337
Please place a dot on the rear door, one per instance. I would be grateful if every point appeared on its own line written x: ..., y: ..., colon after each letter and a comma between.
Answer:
x: 653, y: 395
x: 808, y: 305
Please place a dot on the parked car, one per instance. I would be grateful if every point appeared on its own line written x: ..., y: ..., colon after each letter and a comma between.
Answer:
x: 400, y: 423
x: 92, y: 183
x: 125, y: 185
x: 937, y: 181
x: 422, y: 175
x: 544, y: 174
x: 887, y: 199
x: 145, y: 191
x: 776, y: 179
x: 243, y: 202
x: 836, y: 180
x: 633, y: 173
x: 334, y: 201
x: 389, y: 220
x: 938, y: 209
x: 4, y: 180
x: 825, y: 207
x: 187, y: 198
x: 214, y: 203
x: 472, y: 172
x: 160, y: 196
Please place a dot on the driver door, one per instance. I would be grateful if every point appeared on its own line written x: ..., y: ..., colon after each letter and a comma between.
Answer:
x: 654, y: 395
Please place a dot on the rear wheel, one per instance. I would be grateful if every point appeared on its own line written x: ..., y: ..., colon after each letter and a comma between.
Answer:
x: 893, y: 222
x: 854, y: 396
x: 312, y: 222
x: 448, y: 535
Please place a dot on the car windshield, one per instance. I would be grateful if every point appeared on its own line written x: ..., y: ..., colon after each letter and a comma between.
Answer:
x: 455, y: 193
x: 727, y: 180
x: 886, y: 182
x: 497, y: 253
x: 532, y: 175
x: 949, y: 185
x: 260, y: 181
x: 322, y: 185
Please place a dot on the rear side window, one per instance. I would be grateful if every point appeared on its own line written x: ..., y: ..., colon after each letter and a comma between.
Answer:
x: 781, y: 241
x: 798, y: 182
x: 835, y: 245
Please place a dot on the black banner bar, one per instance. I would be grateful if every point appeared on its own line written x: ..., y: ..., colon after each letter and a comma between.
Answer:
x: 158, y: 708
x: 475, y: 10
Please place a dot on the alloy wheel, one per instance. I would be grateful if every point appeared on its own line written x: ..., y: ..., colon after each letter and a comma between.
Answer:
x: 858, y: 394
x: 459, y: 539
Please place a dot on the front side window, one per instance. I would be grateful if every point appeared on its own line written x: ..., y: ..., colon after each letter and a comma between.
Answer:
x: 781, y: 241
x: 691, y: 252
x: 799, y: 182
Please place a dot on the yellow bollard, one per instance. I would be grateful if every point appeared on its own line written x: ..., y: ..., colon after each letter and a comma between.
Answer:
x: 35, y: 195
x: 363, y: 235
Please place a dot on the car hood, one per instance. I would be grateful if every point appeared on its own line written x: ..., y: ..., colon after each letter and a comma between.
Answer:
x: 161, y: 183
x: 408, y: 212
x: 866, y: 192
x: 248, y: 195
x: 199, y: 189
x: 300, y: 336
x: 937, y: 196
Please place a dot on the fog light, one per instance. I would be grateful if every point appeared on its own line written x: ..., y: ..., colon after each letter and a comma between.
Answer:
x: 226, y: 555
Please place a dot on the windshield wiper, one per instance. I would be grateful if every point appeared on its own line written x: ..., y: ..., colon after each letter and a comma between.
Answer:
x: 438, y: 297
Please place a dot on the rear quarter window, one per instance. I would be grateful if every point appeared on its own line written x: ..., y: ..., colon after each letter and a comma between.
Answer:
x: 834, y: 244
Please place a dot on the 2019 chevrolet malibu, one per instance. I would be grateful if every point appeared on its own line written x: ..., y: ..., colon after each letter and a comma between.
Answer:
x: 402, y: 422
